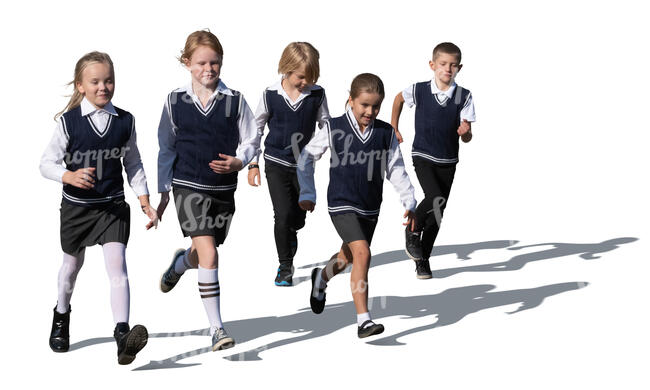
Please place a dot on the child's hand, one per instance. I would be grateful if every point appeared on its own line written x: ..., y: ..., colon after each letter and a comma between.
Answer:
x: 152, y: 214
x: 399, y: 137
x: 252, y: 174
x: 307, y: 205
x: 229, y: 164
x: 164, y: 200
x: 410, y: 219
x: 81, y: 178
x: 464, y: 127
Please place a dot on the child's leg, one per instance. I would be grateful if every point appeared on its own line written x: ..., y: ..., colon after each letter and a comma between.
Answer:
x: 287, y: 216
x: 115, y: 261
x: 190, y: 260
x: 436, y: 183
x: 359, y: 277
x: 337, y: 263
x: 208, y: 260
x: 67, y: 279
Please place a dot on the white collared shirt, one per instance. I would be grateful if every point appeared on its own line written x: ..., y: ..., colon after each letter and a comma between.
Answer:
x: 246, y: 150
x: 51, y: 162
x: 262, y: 114
x: 466, y: 113
x: 395, y: 170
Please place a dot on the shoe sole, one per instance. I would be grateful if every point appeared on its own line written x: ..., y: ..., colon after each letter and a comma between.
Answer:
x: 283, y: 284
x: 163, y: 287
x: 226, y: 343
x: 136, y: 340
x: 424, y: 276
x: 375, y: 330
x: 311, y: 292
x: 411, y: 256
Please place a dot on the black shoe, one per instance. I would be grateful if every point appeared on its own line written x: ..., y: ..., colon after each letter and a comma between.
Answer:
x: 317, y: 306
x: 169, y: 279
x: 129, y: 342
x: 423, y: 269
x: 365, y: 331
x: 285, y: 274
x: 413, y: 244
x: 60, y: 334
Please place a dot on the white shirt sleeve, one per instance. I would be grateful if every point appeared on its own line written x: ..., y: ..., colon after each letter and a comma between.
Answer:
x: 133, y: 165
x: 396, y: 174
x: 54, y: 154
x: 323, y: 114
x: 467, y: 112
x: 167, y: 152
x: 312, y: 152
x: 409, y: 95
x: 261, y: 118
x: 249, y: 142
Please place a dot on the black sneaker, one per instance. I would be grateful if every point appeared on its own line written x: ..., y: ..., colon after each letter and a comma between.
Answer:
x: 413, y: 244
x: 169, y: 279
x: 60, y: 333
x: 317, y: 306
x: 423, y: 269
x: 129, y: 342
x: 370, y: 330
x: 285, y: 275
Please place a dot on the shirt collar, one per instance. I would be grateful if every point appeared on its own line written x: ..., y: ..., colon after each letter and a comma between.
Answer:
x: 355, y: 125
x: 221, y: 88
x: 436, y: 91
x: 87, y: 108
x: 305, y: 92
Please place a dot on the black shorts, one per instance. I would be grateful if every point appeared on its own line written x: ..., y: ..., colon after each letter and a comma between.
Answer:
x: 354, y: 227
x: 98, y: 224
x: 201, y: 214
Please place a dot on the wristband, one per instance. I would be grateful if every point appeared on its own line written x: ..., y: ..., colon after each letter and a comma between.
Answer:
x: 252, y: 166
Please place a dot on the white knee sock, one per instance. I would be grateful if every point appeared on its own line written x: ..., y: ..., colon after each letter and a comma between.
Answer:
x: 67, y: 278
x: 115, y: 261
x: 210, y: 293
x: 182, y: 262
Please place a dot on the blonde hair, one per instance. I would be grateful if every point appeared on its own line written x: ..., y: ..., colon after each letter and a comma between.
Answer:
x: 83, y: 62
x: 366, y: 82
x: 297, y: 54
x: 200, y: 38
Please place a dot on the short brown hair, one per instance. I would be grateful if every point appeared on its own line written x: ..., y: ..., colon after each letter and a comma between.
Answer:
x: 297, y: 54
x: 366, y: 82
x: 447, y: 48
x: 200, y: 38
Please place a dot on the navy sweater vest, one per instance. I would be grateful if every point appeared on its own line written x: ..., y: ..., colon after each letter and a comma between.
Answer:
x: 201, y: 135
x: 357, y: 166
x: 101, y: 149
x: 436, y: 137
x: 290, y: 128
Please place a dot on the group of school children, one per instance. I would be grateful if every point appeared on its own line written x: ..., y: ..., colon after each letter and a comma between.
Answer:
x: 208, y: 133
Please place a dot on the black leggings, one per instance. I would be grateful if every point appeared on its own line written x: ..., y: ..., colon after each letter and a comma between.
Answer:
x: 436, y: 180
x: 289, y: 217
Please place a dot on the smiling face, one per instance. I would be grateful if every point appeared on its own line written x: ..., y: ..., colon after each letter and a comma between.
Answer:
x: 365, y: 107
x: 297, y: 79
x: 205, y: 67
x: 97, y: 84
x: 445, y: 67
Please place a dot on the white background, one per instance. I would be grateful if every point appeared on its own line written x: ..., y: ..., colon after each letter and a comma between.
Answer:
x: 558, y: 156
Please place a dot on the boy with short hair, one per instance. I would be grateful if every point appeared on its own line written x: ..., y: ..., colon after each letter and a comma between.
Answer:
x: 444, y: 112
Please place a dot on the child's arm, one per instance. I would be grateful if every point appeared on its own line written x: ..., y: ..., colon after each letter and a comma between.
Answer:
x: 51, y: 162
x: 248, y: 143
x: 166, y: 158
x: 467, y: 116
x: 312, y: 152
x: 396, y: 174
x: 261, y: 118
x: 137, y: 178
x: 398, y: 103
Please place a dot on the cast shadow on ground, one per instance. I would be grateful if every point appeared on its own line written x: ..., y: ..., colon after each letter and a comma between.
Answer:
x: 447, y: 307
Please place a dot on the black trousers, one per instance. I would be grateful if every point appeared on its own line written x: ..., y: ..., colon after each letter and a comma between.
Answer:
x: 289, y: 217
x: 436, y: 181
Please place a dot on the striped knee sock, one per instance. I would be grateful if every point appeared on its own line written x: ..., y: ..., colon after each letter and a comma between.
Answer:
x: 209, y: 290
